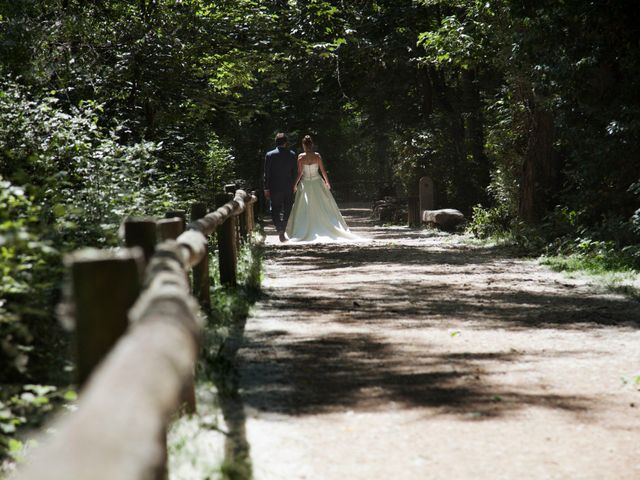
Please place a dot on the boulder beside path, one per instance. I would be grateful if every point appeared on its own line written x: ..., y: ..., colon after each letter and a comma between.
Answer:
x: 447, y: 218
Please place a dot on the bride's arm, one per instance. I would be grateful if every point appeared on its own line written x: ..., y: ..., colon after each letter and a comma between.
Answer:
x: 300, y: 171
x: 324, y: 172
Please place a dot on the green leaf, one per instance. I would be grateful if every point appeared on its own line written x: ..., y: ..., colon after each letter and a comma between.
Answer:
x: 70, y: 396
x: 15, y: 446
x: 59, y: 210
x: 7, y: 428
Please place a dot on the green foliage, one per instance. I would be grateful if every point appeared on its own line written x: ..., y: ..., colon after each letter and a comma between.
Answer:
x: 217, y: 169
x: 230, y: 306
x: 23, y: 407
x: 69, y: 183
x: 635, y: 219
x: 462, y: 40
x: 198, y: 448
x: 20, y: 253
x: 250, y: 261
x: 82, y: 178
x: 597, y: 256
x: 612, y: 269
x: 490, y: 222
x: 113, y: 108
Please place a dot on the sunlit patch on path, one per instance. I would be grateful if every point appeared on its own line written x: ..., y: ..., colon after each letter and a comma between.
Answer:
x: 419, y: 356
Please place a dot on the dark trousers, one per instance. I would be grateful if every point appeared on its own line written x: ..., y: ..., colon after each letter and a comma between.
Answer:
x: 281, y: 203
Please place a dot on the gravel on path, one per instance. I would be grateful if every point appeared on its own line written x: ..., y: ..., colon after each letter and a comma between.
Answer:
x: 417, y: 355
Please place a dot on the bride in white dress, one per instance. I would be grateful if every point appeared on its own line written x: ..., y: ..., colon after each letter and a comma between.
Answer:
x: 315, y: 217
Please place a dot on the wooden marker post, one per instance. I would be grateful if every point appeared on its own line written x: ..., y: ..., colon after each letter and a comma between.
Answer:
x: 426, y: 190
x: 104, y: 287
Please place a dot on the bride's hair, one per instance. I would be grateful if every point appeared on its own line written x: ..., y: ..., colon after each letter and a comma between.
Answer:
x: 307, y: 141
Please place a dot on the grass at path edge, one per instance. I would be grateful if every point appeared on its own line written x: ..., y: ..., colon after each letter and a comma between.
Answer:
x: 211, y: 444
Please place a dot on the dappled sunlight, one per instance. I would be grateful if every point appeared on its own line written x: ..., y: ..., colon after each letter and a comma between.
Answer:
x: 356, y: 347
x: 345, y: 371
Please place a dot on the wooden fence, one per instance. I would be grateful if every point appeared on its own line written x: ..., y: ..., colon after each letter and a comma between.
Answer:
x: 138, y: 328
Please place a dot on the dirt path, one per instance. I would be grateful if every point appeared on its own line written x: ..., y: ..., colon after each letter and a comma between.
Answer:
x: 418, y: 357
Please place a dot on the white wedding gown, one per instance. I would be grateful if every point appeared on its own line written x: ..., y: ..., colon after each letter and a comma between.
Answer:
x: 315, y: 217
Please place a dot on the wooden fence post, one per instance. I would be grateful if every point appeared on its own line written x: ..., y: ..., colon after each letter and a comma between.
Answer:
x: 250, y: 214
x: 227, y: 252
x: 141, y: 232
x: 119, y: 428
x: 230, y: 190
x: 179, y: 214
x: 227, y: 245
x: 170, y: 228
x: 252, y: 211
x: 201, y: 282
x: 244, y: 223
x: 104, y: 287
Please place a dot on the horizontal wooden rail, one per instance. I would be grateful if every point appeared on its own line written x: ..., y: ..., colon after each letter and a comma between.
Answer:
x: 125, y: 407
x: 194, y: 239
x: 210, y: 222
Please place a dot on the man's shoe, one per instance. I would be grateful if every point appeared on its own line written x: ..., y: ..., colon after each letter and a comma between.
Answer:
x: 283, y: 238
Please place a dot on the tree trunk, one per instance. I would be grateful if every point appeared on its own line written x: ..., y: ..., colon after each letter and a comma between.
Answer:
x: 540, y: 169
x: 449, y: 101
x: 475, y: 132
x: 381, y: 144
x: 427, y: 92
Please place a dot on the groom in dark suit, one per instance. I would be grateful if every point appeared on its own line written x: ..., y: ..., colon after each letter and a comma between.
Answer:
x: 280, y: 169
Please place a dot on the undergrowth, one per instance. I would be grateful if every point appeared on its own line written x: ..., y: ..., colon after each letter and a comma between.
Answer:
x: 613, y: 264
x: 606, y: 272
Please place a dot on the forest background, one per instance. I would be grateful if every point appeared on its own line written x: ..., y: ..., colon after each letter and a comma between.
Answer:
x: 526, y: 113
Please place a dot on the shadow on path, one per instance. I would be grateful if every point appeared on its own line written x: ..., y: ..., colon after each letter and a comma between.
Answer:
x: 365, y: 302
x: 237, y: 461
x: 340, y: 372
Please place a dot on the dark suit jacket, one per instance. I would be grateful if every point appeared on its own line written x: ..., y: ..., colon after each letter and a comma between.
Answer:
x: 280, y: 170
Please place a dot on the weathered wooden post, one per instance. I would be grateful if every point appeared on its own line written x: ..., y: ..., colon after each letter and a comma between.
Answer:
x: 141, y: 232
x: 170, y: 228
x: 252, y: 212
x: 426, y: 194
x: 180, y: 214
x: 104, y: 286
x: 201, y: 282
x: 227, y: 246
x: 228, y: 252
x: 230, y: 190
x: 249, y: 203
x: 244, y: 222
x: 119, y: 428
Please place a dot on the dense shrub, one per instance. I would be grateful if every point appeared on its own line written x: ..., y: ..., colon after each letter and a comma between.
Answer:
x: 66, y: 182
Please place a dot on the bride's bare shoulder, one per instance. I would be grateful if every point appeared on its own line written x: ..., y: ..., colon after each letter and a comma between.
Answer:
x: 309, y: 158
